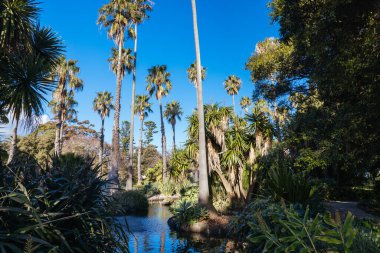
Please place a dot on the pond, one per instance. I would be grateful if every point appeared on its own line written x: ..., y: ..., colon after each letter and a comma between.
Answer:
x: 151, y: 233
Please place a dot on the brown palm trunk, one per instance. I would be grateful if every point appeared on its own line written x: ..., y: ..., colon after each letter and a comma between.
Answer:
x: 101, y: 147
x: 129, y: 185
x: 163, y: 143
x: 204, y: 193
x: 61, y: 135
x: 113, y: 175
x: 13, y: 146
x: 57, y: 142
x: 139, y: 154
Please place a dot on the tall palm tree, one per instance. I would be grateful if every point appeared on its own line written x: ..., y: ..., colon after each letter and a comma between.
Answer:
x: 142, y: 109
x: 192, y: 74
x: 126, y: 60
x: 103, y: 105
x: 232, y: 86
x: 115, y: 17
x: 160, y: 85
x: 66, y: 74
x: 67, y: 112
x: 138, y: 12
x: 245, y: 102
x: 204, y: 194
x: 173, y: 111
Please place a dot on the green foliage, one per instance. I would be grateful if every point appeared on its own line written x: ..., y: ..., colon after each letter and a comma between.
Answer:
x: 130, y: 202
x: 185, y: 213
x: 150, y: 130
x: 62, y: 210
x: 296, y: 233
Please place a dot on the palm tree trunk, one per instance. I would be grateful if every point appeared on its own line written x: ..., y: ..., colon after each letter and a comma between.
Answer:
x: 174, y: 147
x: 204, y: 194
x: 13, y: 146
x: 61, y: 135
x: 113, y: 175
x: 57, y: 142
x: 163, y: 142
x: 129, y: 185
x: 139, y: 154
x: 233, y: 103
x: 101, y: 147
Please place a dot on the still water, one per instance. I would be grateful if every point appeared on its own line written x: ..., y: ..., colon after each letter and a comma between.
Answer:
x: 152, y: 234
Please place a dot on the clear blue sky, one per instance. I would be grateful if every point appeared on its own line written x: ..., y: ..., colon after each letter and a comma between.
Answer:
x: 229, y: 31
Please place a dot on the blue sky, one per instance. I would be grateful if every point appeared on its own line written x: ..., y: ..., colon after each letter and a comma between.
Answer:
x: 228, y: 30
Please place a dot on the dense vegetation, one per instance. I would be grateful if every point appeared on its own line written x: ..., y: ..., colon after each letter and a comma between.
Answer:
x: 309, y: 133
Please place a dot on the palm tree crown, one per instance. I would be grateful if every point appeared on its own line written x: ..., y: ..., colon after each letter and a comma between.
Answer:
x: 232, y: 85
x: 173, y: 111
x: 142, y: 106
x: 115, y: 17
x: 158, y: 81
x: 192, y: 73
x: 103, y: 103
x: 126, y: 60
x: 245, y: 102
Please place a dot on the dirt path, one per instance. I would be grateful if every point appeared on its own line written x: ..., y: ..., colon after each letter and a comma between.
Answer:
x: 345, y: 206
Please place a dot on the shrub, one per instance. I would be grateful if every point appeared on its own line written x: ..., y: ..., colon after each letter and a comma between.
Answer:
x: 64, y: 209
x: 185, y: 212
x: 130, y: 202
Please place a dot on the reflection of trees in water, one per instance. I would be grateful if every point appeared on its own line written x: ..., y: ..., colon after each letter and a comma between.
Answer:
x: 191, y: 245
x: 136, y: 245
x: 162, y: 245
x: 146, y: 242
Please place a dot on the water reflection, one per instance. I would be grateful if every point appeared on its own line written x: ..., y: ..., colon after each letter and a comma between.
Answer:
x: 152, y: 234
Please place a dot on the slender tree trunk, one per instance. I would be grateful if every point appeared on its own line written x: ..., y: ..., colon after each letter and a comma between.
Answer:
x: 113, y: 175
x: 129, y: 185
x: 233, y: 103
x: 174, y: 147
x: 57, y: 142
x: 163, y: 142
x: 139, y: 153
x: 13, y: 146
x: 204, y: 193
x: 101, y: 147
x: 61, y: 135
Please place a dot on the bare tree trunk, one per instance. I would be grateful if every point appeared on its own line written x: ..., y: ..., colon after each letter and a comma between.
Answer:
x: 233, y: 103
x: 13, y: 146
x: 61, y: 135
x: 129, y: 185
x: 113, y: 175
x: 57, y: 142
x: 163, y: 143
x: 139, y: 154
x: 204, y: 194
x: 174, y: 147
x: 101, y: 147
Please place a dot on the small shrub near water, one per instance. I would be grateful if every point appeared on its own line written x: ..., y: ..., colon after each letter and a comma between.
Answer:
x: 130, y: 202
x: 185, y: 212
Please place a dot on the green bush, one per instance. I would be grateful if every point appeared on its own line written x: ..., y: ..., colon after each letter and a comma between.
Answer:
x: 63, y: 209
x: 130, y: 202
x: 185, y: 212
x: 303, y: 233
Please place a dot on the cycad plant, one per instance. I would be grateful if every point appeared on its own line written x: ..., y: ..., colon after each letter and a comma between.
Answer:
x: 142, y: 109
x: 173, y: 112
x: 159, y: 83
x: 232, y: 85
x: 103, y: 105
x: 115, y: 18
